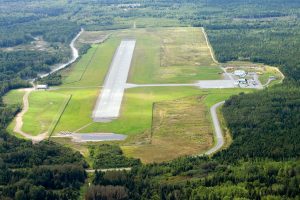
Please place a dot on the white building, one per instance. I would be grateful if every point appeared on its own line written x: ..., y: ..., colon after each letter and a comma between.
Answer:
x: 240, y: 73
x: 42, y: 87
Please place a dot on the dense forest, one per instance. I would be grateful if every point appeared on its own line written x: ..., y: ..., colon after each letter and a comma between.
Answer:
x: 263, y: 159
x: 38, y: 171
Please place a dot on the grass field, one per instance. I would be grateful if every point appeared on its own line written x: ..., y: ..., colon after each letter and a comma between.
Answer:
x: 177, y: 123
x: 44, y: 108
x: 267, y: 72
x: 14, y: 97
x: 157, y: 47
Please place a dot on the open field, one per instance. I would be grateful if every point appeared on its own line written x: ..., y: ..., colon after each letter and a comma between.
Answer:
x: 184, y: 47
x: 93, y: 37
x: 13, y: 97
x: 159, y: 45
x: 177, y: 123
x: 44, y: 108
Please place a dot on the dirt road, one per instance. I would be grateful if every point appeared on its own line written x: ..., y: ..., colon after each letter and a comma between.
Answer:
x: 19, y: 120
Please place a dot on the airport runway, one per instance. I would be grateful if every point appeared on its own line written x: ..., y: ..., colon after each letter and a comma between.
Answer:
x: 109, y: 101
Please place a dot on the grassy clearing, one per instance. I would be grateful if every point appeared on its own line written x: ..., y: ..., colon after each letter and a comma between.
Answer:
x: 79, y: 110
x: 92, y: 37
x: 267, y: 72
x: 178, y: 123
x: 14, y: 97
x: 171, y: 55
x: 43, y: 110
x: 136, y: 112
x: 184, y: 47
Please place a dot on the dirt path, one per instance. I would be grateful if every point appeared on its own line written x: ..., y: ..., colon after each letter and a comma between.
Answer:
x: 19, y: 120
x: 209, y: 46
x: 218, y: 130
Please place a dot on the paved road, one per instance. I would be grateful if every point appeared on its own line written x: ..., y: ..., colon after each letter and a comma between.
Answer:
x: 200, y: 84
x: 110, y: 169
x: 109, y: 101
x: 218, y: 130
x: 75, y: 55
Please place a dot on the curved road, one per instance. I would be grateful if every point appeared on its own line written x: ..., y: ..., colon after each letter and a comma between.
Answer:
x: 218, y: 130
x: 75, y: 55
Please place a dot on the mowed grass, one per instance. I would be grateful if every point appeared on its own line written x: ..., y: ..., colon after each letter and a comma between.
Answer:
x: 14, y: 97
x: 44, y: 108
x: 136, y: 113
x: 177, y: 123
x: 79, y: 110
x: 92, y: 67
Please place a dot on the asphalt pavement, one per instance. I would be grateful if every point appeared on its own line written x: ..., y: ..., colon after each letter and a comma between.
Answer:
x: 110, y: 99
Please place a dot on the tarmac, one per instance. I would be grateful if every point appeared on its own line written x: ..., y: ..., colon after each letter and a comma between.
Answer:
x: 110, y: 99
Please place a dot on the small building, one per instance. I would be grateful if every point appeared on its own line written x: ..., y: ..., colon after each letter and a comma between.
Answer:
x: 240, y: 73
x: 272, y: 78
x: 42, y: 87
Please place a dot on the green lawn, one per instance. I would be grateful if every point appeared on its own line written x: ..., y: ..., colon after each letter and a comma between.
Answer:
x: 136, y: 111
x: 14, y: 97
x: 44, y: 109
x: 79, y: 110
x: 91, y: 69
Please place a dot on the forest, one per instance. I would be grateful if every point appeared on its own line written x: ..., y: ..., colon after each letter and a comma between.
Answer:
x: 263, y: 159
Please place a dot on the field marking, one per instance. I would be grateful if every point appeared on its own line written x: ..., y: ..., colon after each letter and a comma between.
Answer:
x: 110, y: 99
x: 209, y: 46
